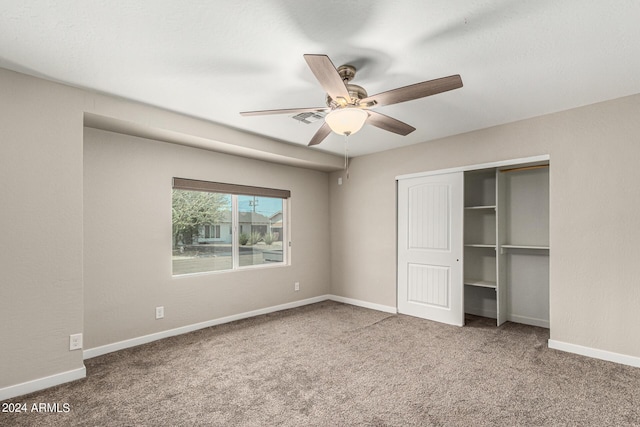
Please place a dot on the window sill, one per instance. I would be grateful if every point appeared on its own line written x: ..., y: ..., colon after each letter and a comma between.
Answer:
x: 237, y: 270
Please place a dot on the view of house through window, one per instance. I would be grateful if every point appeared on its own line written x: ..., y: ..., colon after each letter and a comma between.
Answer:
x: 214, y: 231
x: 260, y: 227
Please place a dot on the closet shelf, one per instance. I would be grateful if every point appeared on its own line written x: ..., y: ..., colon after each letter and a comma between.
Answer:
x: 536, y: 247
x: 480, y: 283
x: 479, y: 245
x: 480, y: 207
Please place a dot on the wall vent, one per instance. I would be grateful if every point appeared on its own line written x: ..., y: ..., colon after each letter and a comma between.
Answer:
x: 310, y: 117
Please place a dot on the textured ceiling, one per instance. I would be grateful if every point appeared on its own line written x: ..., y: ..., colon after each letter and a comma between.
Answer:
x: 213, y: 59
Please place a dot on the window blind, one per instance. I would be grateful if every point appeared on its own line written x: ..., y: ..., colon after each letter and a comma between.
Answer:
x: 221, y: 187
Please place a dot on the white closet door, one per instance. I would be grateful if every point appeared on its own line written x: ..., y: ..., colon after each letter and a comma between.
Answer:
x: 430, y: 228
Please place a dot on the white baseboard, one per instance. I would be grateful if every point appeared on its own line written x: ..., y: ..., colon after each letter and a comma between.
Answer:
x: 482, y: 312
x: 121, y: 345
x: 42, y: 383
x: 528, y: 320
x: 365, y: 304
x: 476, y: 311
x: 53, y: 380
x: 595, y: 353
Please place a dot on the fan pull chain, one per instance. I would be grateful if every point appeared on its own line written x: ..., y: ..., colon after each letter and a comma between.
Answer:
x: 346, y: 155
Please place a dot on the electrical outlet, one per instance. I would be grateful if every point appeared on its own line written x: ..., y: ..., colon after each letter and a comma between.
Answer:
x: 159, y: 312
x: 75, y: 342
x: 296, y: 286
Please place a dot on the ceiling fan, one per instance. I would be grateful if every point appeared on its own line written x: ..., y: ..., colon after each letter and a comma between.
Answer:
x: 349, y: 105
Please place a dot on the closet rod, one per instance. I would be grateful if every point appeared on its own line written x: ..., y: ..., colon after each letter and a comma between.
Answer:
x: 524, y: 168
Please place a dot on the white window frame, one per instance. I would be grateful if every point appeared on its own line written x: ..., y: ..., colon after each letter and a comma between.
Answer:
x: 234, y: 191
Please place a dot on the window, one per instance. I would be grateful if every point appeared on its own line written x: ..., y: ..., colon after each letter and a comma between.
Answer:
x: 212, y: 231
x: 220, y: 226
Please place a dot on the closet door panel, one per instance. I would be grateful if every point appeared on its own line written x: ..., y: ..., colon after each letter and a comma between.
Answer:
x: 429, y: 219
x: 430, y: 224
x: 429, y: 284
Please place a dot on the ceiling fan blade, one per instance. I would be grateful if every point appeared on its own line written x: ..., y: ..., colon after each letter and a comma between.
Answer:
x: 328, y: 76
x: 320, y: 135
x: 283, y: 111
x: 415, y: 91
x: 389, y: 123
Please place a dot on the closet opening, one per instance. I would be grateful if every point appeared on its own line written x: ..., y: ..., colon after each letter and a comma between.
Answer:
x: 506, y: 244
x: 475, y: 240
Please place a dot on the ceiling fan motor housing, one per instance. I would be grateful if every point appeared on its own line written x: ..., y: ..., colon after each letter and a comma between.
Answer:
x: 355, y: 92
x: 347, y: 73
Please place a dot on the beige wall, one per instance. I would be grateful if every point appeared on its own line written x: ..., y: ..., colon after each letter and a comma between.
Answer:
x: 41, y: 170
x: 127, y: 238
x: 41, y: 217
x: 594, y: 225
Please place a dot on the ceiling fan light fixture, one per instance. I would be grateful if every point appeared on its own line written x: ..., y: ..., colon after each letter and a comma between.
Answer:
x: 346, y: 121
x: 349, y: 103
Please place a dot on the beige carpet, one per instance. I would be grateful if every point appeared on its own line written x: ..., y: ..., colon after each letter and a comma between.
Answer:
x: 331, y: 364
